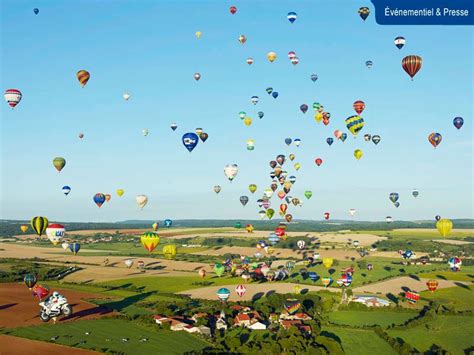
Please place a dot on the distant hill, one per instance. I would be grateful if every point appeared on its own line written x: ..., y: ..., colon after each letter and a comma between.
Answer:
x: 12, y: 227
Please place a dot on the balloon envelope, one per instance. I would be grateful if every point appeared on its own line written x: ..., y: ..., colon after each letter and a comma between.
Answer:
x: 190, y: 140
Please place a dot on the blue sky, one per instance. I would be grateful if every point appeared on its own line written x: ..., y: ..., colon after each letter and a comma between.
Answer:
x: 148, y: 48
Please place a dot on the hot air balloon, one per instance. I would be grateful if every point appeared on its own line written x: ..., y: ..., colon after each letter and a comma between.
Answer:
x: 198, y: 34
x: 367, y: 137
x: 345, y: 280
x: 99, y: 199
x: 254, y: 100
x: 223, y: 294
x: 150, y: 240
x: 66, y: 190
x: 291, y: 16
x: 389, y: 219
x: 444, y: 226
x: 55, y: 232
x: 435, y: 139
x: 145, y: 132
x: 412, y: 64
x: 364, y: 12
x: 39, y: 225
x: 314, y: 77
x: 120, y: 192
x: 343, y: 137
x: 230, y: 171
x: 249, y: 228
x: 415, y: 193
x: 12, y: 97
x: 308, y: 194
x: 83, y: 76
x: 30, y: 280
x: 432, y: 285
x: 354, y: 124
x: 458, y: 122
x: 81, y: 135
x: 126, y: 96
x: 59, y: 163
x: 247, y: 121
x: 304, y: 108
x: 40, y: 291
x: 369, y: 64
x: 141, y: 200
x: 155, y: 226
x: 36, y: 11
x: 399, y: 42
x: 271, y: 56
x: 170, y: 251
x: 128, y: 263
x: 327, y: 262
x: 437, y: 217
x: 295, y: 60
x: 358, y: 154
x: 107, y: 197
x: 327, y: 215
x: 74, y: 248
x: 326, y: 281
x: 359, y: 106
x: 275, y: 94
x: 168, y: 223
x: 300, y: 244
x: 217, y: 189
x: 65, y: 246
x: 393, y: 197
x: 242, y: 39
x: 204, y: 136
x: 352, y: 211
x: 24, y: 228
x: 219, y: 269
x: 455, y: 263
x: 202, y: 273
x: 297, y: 141
x: 233, y: 10
x: 318, y: 161
x: 190, y: 141
x: 197, y: 76
x: 412, y: 296
x: 270, y: 212
x: 174, y: 126
x: 376, y: 139
x: 249, y: 61
x: 329, y: 141
x: 244, y: 200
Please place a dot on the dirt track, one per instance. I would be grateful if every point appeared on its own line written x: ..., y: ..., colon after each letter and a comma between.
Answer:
x: 19, y: 308
x: 10, y: 345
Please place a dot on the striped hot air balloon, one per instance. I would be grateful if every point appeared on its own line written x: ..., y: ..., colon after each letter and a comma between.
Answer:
x: 432, y: 285
x: 412, y: 64
x: 435, y: 139
x: 83, y: 76
x: 240, y: 290
x: 359, y: 106
x: 12, y: 97
x: 39, y: 224
x: 150, y: 240
x: 354, y: 124
x: 170, y: 251
x: 412, y: 296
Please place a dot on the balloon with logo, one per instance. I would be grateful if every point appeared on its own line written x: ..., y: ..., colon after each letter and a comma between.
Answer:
x: 55, y: 233
x: 359, y: 106
x: 168, y: 223
x: 223, y: 294
x: 291, y: 16
x: 141, y: 200
x: 150, y: 240
x: 230, y: 171
x: 458, y: 122
x: 39, y: 225
x: 190, y: 141
x: 364, y: 12
x: 399, y: 42
x: 170, y: 251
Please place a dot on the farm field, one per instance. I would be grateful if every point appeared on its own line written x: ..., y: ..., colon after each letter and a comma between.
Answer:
x: 361, y: 318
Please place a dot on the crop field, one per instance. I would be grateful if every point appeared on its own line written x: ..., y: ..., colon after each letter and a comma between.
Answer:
x: 360, y: 318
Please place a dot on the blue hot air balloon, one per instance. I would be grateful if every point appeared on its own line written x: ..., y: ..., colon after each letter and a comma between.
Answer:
x: 292, y: 16
x: 313, y: 276
x: 99, y: 199
x: 75, y: 247
x: 275, y: 94
x: 344, y: 136
x: 168, y: 223
x: 458, y: 122
x: 190, y: 140
x: 288, y: 141
x: 36, y: 11
x: 261, y: 114
x: 329, y: 141
x: 314, y: 77
x: 66, y: 190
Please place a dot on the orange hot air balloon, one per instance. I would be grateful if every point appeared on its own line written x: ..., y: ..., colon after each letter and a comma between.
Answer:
x: 107, y: 197
x: 289, y: 217
x: 202, y: 273
x: 24, y: 228
x: 318, y: 161
x: 412, y: 64
x: 283, y: 208
x: 83, y: 76
x: 432, y: 285
x: 359, y: 106
x: 337, y: 134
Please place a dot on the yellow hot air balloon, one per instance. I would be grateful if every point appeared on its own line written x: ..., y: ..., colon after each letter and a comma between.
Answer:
x: 292, y: 157
x: 358, y: 154
x: 327, y: 262
x: 170, y: 251
x: 83, y: 77
x: 24, y: 228
x: 252, y: 188
x: 120, y: 192
x: 150, y: 240
x: 39, y: 224
x: 318, y: 117
x: 247, y: 121
x: 444, y: 226
x: 297, y: 289
x: 249, y: 228
x: 297, y: 166
x: 198, y: 34
x: 271, y: 56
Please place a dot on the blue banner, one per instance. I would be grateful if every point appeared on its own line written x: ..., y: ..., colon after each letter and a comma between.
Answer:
x: 424, y: 12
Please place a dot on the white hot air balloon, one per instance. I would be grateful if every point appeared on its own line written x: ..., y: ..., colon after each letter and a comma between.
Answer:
x: 128, y: 263
x: 55, y: 233
x: 145, y: 132
x: 142, y: 200
x: 230, y: 171
x: 126, y: 96
x: 301, y: 244
x: 352, y: 212
x: 65, y: 245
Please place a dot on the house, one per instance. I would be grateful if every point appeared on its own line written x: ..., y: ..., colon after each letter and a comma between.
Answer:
x: 273, y: 317
x: 257, y: 326
x: 371, y: 301
x: 297, y: 316
x: 176, y: 323
x: 287, y: 324
x: 249, y: 320
x: 221, y: 321
x: 159, y: 319
x: 203, y: 330
x: 199, y: 315
x: 240, y: 308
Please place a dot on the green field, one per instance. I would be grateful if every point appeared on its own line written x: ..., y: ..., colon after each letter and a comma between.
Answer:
x: 453, y: 333
x: 467, y: 274
x: 418, y: 234
x: 460, y: 297
x: 358, y: 341
x: 359, y: 318
x: 73, y: 334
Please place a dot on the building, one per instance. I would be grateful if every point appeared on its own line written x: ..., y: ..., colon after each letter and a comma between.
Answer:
x: 297, y: 316
x: 221, y: 321
x: 250, y: 320
x: 287, y: 324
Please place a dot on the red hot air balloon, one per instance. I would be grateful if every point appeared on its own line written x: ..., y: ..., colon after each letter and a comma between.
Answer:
x: 435, y: 139
x: 359, y: 106
x: 233, y: 10
x: 318, y: 161
x: 412, y: 64
x: 432, y: 285
x: 326, y: 215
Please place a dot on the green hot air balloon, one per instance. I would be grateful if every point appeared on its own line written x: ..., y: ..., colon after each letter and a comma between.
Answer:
x: 39, y: 225
x: 59, y: 163
x: 219, y: 269
x: 270, y: 212
x: 30, y: 280
x: 308, y: 194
